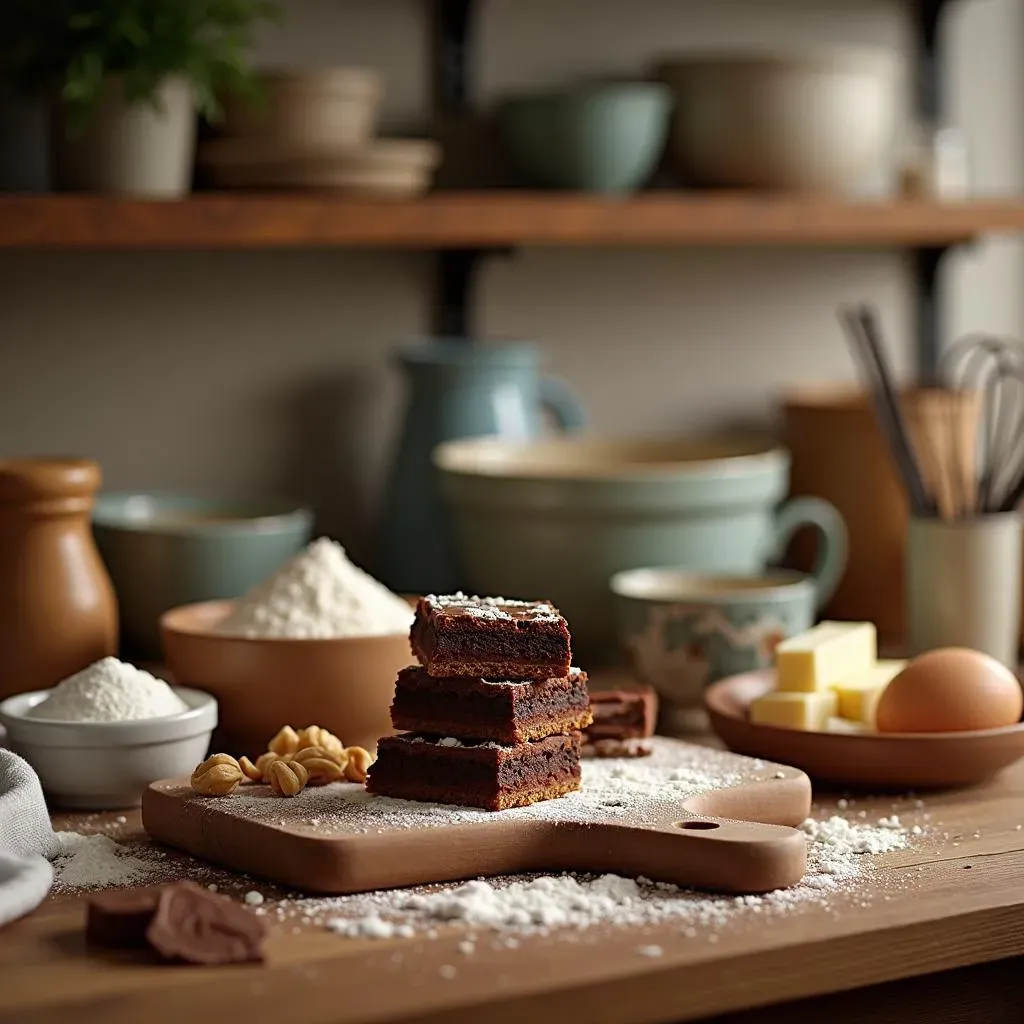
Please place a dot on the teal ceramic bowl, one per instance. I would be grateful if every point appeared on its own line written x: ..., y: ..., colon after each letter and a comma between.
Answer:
x: 164, y: 550
x: 556, y: 518
x: 596, y: 138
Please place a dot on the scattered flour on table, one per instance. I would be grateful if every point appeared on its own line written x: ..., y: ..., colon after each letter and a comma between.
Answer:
x: 547, y: 902
x: 622, y: 791
x: 96, y: 862
x: 835, y: 843
x: 318, y: 593
x: 109, y: 691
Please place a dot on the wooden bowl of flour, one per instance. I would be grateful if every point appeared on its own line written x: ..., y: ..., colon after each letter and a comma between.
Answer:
x: 344, y: 684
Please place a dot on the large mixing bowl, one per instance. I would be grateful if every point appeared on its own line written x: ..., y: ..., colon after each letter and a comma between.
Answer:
x: 819, y: 121
x: 557, y: 518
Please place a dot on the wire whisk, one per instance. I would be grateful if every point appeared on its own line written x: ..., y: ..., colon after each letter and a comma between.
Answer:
x: 990, y: 369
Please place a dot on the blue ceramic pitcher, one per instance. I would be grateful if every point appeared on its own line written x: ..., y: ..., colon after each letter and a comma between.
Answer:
x: 456, y: 389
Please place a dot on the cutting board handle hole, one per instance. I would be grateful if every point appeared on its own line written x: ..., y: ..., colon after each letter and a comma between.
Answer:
x: 699, y: 826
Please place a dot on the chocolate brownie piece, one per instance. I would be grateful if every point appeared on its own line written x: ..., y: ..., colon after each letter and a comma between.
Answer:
x: 488, y: 775
x: 490, y: 637
x: 622, y: 714
x: 507, y: 712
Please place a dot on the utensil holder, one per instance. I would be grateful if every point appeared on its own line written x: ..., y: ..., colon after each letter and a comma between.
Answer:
x: 829, y: 425
x: 963, y: 584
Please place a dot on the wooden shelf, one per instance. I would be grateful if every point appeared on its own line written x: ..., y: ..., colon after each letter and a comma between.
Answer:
x: 493, y: 219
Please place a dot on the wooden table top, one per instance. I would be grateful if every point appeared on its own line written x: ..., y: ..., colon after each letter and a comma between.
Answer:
x: 955, y: 899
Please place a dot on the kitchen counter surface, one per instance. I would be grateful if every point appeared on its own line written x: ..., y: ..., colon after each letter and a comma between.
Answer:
x: 953, y: 901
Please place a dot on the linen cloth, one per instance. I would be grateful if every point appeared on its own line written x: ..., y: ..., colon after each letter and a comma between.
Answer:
x: 27, y: 840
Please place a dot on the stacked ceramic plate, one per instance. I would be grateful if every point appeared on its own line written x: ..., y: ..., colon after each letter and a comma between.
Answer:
x: 315, y: 129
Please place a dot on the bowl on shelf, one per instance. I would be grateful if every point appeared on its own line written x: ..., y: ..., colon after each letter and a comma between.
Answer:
x: 328, y: 107
x: 595, y: 138
x: 344, y: 684
x: 821, y: 120
x: 163, y: 550
x: 107, y: 765
x: 557, y: 518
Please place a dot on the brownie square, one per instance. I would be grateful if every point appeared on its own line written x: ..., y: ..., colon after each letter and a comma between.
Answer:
x: 488, y: 775
x: 490, y: 637
x: 622, y: 714
x: 504, y: 711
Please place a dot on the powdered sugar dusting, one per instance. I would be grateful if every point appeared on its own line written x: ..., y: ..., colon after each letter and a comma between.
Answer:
x: 620, y: 791
x: 497, y: 609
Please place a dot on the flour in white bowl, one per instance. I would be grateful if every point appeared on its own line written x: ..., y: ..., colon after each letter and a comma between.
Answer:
x: 318, y: 594
x: 109, y: 691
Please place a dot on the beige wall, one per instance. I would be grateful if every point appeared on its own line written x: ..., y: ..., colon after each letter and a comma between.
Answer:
x: 267, y: 371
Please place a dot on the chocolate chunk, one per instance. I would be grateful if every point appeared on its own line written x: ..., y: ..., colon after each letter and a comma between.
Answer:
x: 118, y: 918
x: 196, y: 926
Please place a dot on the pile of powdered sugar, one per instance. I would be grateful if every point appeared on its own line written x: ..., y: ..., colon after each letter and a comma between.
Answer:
x: 96, y: 862
x: 318, y: 593
x: 109, y: 691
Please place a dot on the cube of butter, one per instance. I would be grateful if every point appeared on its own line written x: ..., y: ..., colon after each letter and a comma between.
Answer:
x: 810, y: 711
x: 824, y: 655
x: 859, y: 695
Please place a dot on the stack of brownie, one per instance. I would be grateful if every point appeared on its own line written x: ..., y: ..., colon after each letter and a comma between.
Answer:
x: 491, y: 716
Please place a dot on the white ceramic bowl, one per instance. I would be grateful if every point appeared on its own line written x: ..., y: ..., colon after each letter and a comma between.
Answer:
x: 107, y: 765
x: 819, y: 121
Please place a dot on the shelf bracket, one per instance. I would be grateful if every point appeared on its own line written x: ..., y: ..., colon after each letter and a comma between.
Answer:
x: 453, y: 52
x: 927, y: 268
x: 456, y: 276
x: 927, y: 24
x: 928, y: 15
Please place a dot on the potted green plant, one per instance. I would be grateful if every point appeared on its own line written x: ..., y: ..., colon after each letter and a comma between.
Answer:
x: 128, y: 77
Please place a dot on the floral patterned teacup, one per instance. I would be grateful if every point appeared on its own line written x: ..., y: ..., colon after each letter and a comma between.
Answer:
x: 682, y: 630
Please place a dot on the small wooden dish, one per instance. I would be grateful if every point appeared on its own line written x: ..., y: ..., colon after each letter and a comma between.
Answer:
x: 881, y: 760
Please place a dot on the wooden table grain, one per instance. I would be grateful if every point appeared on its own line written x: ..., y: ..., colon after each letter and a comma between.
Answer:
x: 954, y: 903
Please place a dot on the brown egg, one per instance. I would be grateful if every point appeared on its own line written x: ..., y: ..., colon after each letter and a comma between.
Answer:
x: 949, y: 690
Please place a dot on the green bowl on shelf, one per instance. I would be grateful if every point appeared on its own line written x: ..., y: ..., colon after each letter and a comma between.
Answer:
x: 165, y: 549
x: 603, y: 138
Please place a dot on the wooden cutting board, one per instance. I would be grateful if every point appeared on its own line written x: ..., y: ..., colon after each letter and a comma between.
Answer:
x: 686, y: 815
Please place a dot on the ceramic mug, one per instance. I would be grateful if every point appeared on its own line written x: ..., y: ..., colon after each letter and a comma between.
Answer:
x: 682, y: 630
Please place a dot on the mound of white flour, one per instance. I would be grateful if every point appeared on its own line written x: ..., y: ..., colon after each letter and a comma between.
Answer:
x: 318, y: 594
x: 109, y: 691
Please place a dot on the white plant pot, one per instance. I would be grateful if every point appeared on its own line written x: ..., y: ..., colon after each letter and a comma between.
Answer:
x: 133, y: 149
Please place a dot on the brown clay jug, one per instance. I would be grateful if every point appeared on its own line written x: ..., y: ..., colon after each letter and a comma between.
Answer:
x: 58, y: 612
